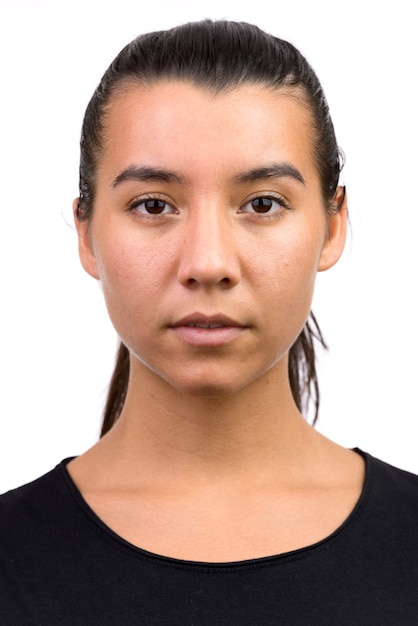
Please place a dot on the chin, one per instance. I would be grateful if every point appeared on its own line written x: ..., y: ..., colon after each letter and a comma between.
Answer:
x: 212, y: 386
x: 207, y: 389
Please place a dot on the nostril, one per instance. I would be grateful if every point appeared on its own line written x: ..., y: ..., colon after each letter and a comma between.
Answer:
x: 191, y: 282
x: 195, y: 282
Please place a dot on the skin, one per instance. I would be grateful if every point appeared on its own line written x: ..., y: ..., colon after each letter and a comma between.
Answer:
x: 210, y: 459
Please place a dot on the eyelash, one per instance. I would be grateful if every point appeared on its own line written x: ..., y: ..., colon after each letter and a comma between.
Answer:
x: 135, y: 204
x: 283, y: 206
x: 275, y: 198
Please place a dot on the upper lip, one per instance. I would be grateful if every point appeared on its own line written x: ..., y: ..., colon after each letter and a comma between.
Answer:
x: 195, y: 319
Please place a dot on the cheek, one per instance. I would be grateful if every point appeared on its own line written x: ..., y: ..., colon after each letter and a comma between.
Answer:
x: 128, y: 272
x: 126, y: 261
x: 288, y: 264
x: 285, y: 280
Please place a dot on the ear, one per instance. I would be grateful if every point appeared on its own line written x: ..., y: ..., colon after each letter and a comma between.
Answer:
x: 336, y: 232
x: 85, y: 249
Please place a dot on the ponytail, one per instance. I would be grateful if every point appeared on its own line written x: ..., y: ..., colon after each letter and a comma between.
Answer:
x: 303, y: 377
x: 117, y: 390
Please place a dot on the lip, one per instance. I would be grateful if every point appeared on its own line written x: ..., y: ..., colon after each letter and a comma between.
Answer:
x: 209, y: 331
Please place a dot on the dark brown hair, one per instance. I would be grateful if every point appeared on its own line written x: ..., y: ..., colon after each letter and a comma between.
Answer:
x: 216, y: 56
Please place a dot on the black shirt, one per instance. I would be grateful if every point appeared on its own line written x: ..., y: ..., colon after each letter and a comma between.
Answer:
x: 60, y: 565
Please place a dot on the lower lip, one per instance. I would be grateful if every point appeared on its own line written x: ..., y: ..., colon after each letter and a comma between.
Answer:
x: 208, y: 337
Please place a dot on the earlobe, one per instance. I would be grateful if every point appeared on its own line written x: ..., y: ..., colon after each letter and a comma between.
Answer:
x: 85, y: 249
x: 336, y: 235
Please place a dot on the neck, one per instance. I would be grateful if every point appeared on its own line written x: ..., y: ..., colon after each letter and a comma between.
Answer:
x: 167, y: 431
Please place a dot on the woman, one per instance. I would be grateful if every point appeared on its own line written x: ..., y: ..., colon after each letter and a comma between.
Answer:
x: 209, y: 199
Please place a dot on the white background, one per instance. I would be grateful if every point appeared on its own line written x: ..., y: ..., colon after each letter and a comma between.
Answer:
x: 57, y: 345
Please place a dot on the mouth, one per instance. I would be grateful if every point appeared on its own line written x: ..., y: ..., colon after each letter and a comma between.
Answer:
x: 206, y: 325
x: 207, y: 330
x: 199, y: 320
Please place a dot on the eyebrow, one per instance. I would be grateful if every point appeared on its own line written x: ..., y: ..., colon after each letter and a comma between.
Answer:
x: 147, y: 173
x: 274, y: 170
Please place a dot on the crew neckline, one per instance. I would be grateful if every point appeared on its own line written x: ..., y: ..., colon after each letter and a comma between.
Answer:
x: 256, y: 562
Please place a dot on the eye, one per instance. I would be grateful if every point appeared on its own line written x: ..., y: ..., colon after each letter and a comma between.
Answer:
x: 151, y: 206
x: 264, y: 205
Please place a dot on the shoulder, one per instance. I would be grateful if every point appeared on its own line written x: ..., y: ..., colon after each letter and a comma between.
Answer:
x: 23, y: 511
x: 385, y: 480
x: 390, y: 498
x: 35, y: 488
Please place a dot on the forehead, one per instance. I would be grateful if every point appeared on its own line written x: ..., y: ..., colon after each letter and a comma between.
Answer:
x: 173, y: 122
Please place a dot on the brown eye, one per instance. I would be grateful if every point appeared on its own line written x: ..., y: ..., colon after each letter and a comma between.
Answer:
x: 262, y: 205
x: 151, y: 206
x: 154, y: 206
x: 265, y: 205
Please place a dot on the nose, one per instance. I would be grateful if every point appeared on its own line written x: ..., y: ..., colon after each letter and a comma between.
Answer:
x: 208, y: 256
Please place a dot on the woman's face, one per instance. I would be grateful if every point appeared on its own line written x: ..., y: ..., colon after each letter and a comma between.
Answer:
x: 208, y: 230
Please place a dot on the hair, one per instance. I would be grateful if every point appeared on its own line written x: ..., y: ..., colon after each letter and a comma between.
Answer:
x: 216, y: 56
